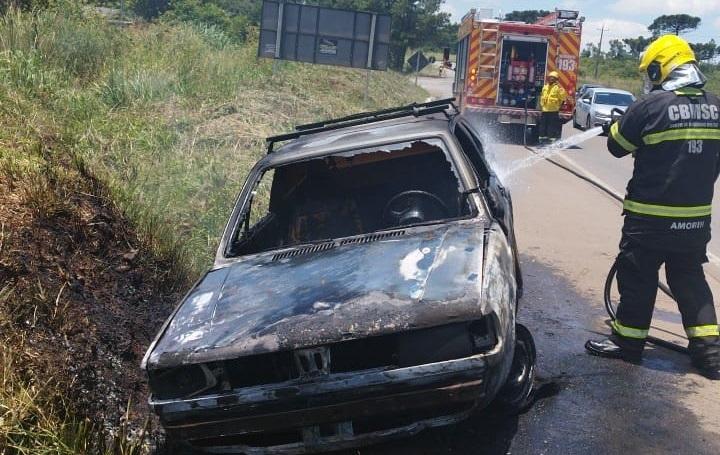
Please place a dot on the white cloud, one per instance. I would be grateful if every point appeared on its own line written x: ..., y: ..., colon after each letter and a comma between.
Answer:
x: 614, y: 29
x: 458, y: 8
x: 717, y: 22
x: 571, y: 4
x: 660, y: 7
x: 452, y: 10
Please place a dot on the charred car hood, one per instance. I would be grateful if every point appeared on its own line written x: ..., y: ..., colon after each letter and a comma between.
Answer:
x: 420, y: 278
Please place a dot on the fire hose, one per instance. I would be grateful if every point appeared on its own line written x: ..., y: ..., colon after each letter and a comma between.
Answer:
x: 607, y: 292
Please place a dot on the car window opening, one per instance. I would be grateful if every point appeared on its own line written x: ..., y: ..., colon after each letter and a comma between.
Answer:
x: 350, y: 194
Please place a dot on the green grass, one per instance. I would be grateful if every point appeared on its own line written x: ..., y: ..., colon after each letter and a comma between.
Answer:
x: 623, y: 74
x: 34, y: 421
x: 170, y: 118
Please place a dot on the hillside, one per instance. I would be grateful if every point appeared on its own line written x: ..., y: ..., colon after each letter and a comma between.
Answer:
x: 623, y: 74
x: 121, y: 152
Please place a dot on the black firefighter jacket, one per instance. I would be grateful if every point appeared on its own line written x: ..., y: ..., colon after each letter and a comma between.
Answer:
x: 675, y: 139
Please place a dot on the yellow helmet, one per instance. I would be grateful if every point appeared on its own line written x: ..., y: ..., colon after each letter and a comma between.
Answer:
x: 663, y: 55
x: 554, y: 74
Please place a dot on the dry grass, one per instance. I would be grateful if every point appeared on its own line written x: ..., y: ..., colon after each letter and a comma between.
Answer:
x: 33, y: 424
x: 153, y: 128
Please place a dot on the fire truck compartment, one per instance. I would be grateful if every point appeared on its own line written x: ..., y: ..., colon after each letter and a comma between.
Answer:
x: 522, y: 71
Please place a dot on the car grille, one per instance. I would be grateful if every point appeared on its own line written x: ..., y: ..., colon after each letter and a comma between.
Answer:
x: 397, y: 350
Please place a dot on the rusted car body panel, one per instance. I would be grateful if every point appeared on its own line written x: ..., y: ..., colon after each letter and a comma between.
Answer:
x: 343, y: 342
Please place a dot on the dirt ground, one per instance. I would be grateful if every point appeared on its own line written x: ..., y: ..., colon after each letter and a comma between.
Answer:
x: 82, y: 297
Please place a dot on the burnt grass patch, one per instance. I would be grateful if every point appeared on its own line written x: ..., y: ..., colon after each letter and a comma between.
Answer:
x: 81, y: 298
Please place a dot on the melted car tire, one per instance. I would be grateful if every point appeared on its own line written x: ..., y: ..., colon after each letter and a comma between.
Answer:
x: 516, y: 395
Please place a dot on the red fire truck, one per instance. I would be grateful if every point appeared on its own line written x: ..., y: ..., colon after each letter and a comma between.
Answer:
x: 501, y: 66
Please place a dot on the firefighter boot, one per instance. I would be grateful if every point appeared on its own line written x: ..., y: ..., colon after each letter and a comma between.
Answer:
x: 706, y: 358
x: 610, y: 349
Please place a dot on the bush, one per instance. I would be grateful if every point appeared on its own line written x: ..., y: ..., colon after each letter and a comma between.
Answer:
x: 209, y: 14
x: 79, y: 44
x: 151, y: 9
x: 25, y: 5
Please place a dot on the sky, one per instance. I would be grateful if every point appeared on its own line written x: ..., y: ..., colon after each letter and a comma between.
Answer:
x: 623, y: 19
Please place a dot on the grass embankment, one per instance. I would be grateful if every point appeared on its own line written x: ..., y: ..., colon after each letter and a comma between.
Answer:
x: 121, y: 152
x: 623, y: 74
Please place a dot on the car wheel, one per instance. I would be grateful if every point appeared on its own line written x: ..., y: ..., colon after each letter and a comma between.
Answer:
x: 576, y: 125
x: 516, y: 395
x: 588, y: 124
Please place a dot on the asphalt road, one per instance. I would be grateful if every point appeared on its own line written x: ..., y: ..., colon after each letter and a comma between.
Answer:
x: 568, y: 233
x: 593, y: 158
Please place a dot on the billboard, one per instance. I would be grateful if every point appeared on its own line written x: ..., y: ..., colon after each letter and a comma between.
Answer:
x: 327, y: 36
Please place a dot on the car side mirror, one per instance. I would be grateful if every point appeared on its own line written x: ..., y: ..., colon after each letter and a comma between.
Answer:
x: 586, y: 100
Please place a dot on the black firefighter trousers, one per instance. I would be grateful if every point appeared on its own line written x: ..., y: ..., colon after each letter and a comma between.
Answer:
x: 637, y: 276
x: 550, y: 125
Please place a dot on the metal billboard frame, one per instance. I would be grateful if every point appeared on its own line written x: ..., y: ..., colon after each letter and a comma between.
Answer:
x: 282, y: 23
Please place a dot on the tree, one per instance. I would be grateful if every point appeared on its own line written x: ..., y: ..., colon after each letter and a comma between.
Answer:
x: 637, y: 45
x: 591, y: 50
x: 705, y: 51
x: 446, y: 36
x: 529, y: 16
x: 674, y: 23
x: 618, y: 49
x: 248, y: 9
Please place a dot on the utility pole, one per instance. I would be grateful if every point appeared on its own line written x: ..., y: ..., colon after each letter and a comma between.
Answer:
x: 417, y: 66
x: 597, y: 61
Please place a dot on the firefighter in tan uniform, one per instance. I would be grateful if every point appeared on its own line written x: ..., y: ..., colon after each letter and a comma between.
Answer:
x: 674, y: 135
x: 551, y: 99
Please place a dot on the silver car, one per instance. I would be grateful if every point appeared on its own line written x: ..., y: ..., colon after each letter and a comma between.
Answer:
x: 596, y: 105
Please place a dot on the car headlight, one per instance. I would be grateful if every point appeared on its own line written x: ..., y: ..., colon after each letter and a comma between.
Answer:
x: 181, y: 382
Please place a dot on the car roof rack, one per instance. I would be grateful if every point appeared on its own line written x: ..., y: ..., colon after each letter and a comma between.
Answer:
x: 414, y: 110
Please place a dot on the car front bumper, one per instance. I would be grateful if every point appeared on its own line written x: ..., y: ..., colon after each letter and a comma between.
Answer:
x: 598, y: 120
x: 334, y: 411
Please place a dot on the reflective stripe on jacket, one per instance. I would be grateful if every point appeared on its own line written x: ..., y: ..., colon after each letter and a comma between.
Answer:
x: 675, y: 138
x: 553, y: 96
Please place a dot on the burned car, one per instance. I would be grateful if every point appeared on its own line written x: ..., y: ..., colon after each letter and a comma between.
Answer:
x: 365, y: 288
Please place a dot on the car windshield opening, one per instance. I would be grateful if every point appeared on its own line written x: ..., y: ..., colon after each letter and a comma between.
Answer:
x: 349, y: 194
x: 613, y: 99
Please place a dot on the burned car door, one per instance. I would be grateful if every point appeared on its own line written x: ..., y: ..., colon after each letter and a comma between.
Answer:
x: 496, y: 195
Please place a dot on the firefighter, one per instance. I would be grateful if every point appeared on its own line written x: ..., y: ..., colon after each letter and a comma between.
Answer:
x: 673, y: 134
x: 552, y: 97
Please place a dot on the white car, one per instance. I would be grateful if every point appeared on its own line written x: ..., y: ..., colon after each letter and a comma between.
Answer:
x: 596, y: 105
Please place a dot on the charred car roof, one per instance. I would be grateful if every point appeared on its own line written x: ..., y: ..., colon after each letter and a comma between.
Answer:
x: 387, y: 131
x: 360, y: 130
